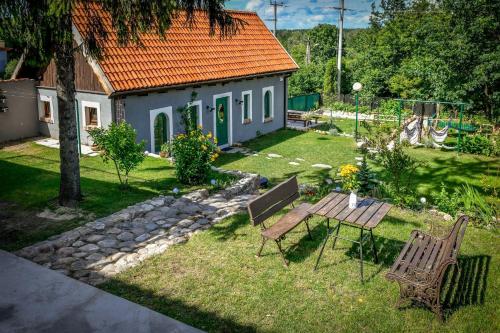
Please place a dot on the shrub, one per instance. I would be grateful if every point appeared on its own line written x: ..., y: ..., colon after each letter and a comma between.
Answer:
x: 475, y: 205
x: 388, y: 107
x: 479, y: 145
x: 9, y: 68
x: 118, y: 144
x: 447, y: 202
x: 399, y: 168
x: 366, y: 178
x: 193, y: 155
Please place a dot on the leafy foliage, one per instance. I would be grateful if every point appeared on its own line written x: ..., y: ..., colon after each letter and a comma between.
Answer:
x: 194, y: 154
x: 447, y: 202
x: 118, y: 144
x: 186, y: 112
x: 478, y: 144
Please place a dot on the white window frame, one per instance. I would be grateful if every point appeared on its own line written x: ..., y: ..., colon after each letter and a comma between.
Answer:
x: 95, y: 105
x: 264, y: 90
x: 243, y: 93
x: 230, y: 119
x: 152, y: 116
x: 200, y: 113
x: 45, y: 98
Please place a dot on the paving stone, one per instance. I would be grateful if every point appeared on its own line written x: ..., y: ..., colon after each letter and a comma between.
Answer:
x: 151, y: 226
x: 78, y: 265
x: 94, y: 238
x: 125, y: 236
x: 80, y: 254
x: 78, y: 244
x: 66, y: 251
x: 65, y: 260
x: 142, y: 237
x: 138, y: 231
x: 113, y: 231
x: 95, y: 257
x: 108, y: 243
x: 202, y: 221
x: 89, y: 248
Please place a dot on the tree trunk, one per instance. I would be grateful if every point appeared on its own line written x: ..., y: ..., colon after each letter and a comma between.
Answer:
x: 69, y: 191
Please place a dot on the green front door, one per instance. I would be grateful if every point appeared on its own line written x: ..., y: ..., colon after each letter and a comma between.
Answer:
x: 193, y: 116
x: 221, y: 119
x: 160, y: 131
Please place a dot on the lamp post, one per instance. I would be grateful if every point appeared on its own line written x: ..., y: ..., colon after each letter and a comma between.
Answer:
x: 357, y: 88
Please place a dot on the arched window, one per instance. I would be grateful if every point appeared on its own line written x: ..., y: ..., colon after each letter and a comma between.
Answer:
x: 267, y: 104
x: 161, y: 134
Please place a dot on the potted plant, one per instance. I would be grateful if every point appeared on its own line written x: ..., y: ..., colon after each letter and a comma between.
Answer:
x: 350, y: 182
x: 165, y: 150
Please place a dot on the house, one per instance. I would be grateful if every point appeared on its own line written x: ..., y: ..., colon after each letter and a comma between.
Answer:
x: 240, y: 83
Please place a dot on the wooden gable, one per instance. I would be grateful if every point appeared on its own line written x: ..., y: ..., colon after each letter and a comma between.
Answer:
x: 85, y: 78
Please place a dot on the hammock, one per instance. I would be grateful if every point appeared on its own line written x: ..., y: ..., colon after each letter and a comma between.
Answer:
x: 410, y: 132
x: 439, y: 136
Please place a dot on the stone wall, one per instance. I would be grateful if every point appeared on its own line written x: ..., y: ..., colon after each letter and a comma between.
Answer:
x: 104, y: 247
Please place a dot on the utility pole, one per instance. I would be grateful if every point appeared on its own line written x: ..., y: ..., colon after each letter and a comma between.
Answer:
x: 339, y: 52
x: 275, y: 4
x: 341, y: 10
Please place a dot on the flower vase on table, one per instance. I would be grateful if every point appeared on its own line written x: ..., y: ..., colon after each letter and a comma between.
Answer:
x: 350, y: 183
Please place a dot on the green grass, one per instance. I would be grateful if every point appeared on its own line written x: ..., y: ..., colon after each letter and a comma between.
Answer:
x: 30, y: 180
x: 445, y: 167
x: 215, y: 283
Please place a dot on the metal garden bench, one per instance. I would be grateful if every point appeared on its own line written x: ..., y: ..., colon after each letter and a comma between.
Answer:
x: 421, y: 265
x: 266, y: 205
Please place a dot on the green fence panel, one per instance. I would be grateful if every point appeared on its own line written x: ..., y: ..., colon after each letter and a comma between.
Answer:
x: 304, y: 102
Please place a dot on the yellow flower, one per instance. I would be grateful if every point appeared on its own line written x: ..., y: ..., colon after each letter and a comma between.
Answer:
x: 200, y: 127
x: 203, y: 147
x: 209, y: 135
x: 348, y: 170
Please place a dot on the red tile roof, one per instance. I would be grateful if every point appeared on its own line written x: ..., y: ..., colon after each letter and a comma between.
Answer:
x: 189, y: 55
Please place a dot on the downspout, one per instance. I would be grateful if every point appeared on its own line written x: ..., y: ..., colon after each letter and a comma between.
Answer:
x: 285, y: 100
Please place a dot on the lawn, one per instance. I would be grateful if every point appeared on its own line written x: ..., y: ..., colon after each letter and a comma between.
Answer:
x: 30, y: 183
x: 215, y: 283
x: 445, y: 167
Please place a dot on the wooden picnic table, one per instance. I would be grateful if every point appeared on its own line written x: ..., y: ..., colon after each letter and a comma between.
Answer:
x: 366, y: 217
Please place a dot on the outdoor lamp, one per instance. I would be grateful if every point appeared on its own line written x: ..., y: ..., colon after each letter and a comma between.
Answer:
x: 210, y: 109
x: 357, y: 88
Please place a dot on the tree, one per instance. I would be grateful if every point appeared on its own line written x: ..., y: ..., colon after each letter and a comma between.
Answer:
x: 46, y: 26
x: 323, y: 43
x: 117, y: 143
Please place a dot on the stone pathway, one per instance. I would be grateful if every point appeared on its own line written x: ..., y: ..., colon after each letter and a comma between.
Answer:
x: 104, y: 247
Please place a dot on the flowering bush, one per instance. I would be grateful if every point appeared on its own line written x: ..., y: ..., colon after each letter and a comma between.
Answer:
x: 349, y: 175
x: 193, y: 155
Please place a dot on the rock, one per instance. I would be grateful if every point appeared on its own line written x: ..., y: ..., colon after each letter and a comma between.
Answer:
x: 78, y: 265
x: 94, y: 238
x: 142, y: 237
x: 138, y: 231
x: 152, y: 214
x: 151, y: 226
x: 158, y: 202
x: 300, y: 159
x: 109, y: 251
x: 108, y: 243
x: 274, y: 155
x: 294, y: 163
x: 66, y: 251
x: 194, y: 226
x: 321, y: 166
x: 81, y: 273
x: 113, y: 231
x: 129, y: 244
x: 65, y: 261
x: 185, y: 223
x: 447, y: 217
x: 80, y: 254
x: 191, y: 209
x: 89, y: 248
x: 95, y: 257
x: 139, y: 222
x: 125, y: 236
x: 78, y: 244
x: 202, y: 221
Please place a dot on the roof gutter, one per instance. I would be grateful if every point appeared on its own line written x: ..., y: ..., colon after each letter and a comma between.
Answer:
x: 190, y: 84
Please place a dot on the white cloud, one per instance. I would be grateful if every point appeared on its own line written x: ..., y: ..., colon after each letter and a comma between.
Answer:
x: 254, y: 4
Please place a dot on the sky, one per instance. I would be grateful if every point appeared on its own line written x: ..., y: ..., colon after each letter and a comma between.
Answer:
x: 303, y: 14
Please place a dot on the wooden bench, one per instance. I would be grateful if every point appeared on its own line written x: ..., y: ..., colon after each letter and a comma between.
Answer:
x: 268, y: 204
x: 421, y: 265
x: 297, y: 116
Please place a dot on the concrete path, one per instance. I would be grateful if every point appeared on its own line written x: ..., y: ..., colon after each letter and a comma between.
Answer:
x: 36, y: 299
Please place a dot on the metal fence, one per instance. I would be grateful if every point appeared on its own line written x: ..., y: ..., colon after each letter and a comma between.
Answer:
x: 304, y: 102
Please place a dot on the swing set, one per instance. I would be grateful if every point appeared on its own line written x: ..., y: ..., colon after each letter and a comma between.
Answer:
x: 426, y: 115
